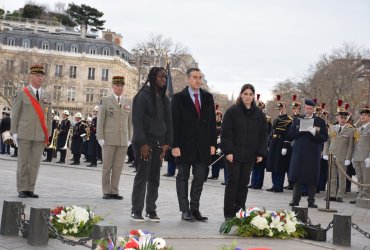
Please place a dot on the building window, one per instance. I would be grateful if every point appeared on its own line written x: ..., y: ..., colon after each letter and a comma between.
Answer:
x: 59, y: 46
x: 90, y: 95
x: 46, y: 69
x: 104, y: 74
x: 58, y: 70
x: 57, y: 92
x: 45, y: 45
x: 103, y: 92
x: 71, y: 94
x: 91, y: 75
x: 74, y: 48
x: 9, y: 89
x: 9, y: 64
x: 26, y: 43
x: 73, y: 72
x: 106, y: 51
x: 10, y: 41
x: 93, y: 50
x: 25, y: 67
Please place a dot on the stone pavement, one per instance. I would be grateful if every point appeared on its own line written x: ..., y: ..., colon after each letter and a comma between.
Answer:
x: 78, y: 185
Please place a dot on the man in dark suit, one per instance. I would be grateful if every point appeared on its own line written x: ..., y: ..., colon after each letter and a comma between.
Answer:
x: 194, y: 141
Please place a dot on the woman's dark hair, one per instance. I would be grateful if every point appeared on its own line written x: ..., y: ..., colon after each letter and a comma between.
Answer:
x: 244, y: 87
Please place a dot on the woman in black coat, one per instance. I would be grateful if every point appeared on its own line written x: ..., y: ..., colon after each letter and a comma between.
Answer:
x: 243, y: 142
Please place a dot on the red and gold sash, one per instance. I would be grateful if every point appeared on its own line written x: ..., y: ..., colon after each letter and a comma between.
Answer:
x: 36, y: 105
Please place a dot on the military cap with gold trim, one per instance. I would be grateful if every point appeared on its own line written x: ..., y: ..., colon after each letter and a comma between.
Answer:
x: 118, y: 80
x: 365, y: 110
x: 260, y: 103
x: 279, y: 105
x: 295, y: 104
x: 37, y: 69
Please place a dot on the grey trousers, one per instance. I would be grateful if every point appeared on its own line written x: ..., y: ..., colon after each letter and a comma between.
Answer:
x: 146, y: 181
x: 297, y: 193
x: 341, y: 183
x: 29, y: 158
x: 363, y: 177
x: 112, y: 167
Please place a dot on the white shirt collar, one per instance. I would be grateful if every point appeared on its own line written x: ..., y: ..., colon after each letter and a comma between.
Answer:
x: 34, y: 90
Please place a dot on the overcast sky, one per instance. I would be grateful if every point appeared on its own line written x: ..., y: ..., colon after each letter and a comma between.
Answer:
x: 239, y: 41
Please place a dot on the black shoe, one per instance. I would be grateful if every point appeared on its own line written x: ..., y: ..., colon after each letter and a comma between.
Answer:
x: 131, y: 166
x: 46, y: 160
x: 312, y: 205
x: 250, y: 186
x: 128, y: 162
x: 106, y: 196
x: 331, y: 199
x: 339, y: 200
x: 294, y: 204
x: 278, y: 190
x: 14, y: 155
x: 257, y: 187
x: 32, y: 194
x: 60, y: 162
x: 152, y: 216
x: 186, y: 215
x: 137, y: 217
x: 23, y: 194
x: 92, y: 165
x: 75, y: 163
x: 213, y: 178
x: 353, y: 202
x: 270, y: 189
x: 223, y: 183
x: 198, y: 216
x: 304, y: 194
x: 116, y: 197
x: 290, y: 187
x: 167, y: 175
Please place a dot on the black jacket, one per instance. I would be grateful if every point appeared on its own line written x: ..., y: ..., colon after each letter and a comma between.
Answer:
x: 244, y: 133
x: 151, y: 127
x: 4, y: 125
x: 193, y: 135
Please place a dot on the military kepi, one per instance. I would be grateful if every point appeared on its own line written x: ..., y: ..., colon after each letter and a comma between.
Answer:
x: 365, y: 110
x: 309, y: 102
x: 118, y: 80
x: 37, y: 69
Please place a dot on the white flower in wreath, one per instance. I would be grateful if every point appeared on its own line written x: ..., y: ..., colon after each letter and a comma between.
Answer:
x: 259, y: 222
x: 271, y: 233
x: 289, y: 226
x: 81, y: 214
x: 65, y: 231
x: 159, y: 243
x: 145, y: 240
x: 276, y: 223
x: 62, y: 217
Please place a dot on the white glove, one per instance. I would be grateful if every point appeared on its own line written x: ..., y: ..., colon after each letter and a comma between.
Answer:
x: 283, y: 151
x: 367, y: 165
x: 218, y: 140
x: 367, y: 161
x: 325, y: 157
x: 347, y: 162
x: 312, y: 130
x: 218, y: 151
x: 101, y: 142
x: 15, y: 140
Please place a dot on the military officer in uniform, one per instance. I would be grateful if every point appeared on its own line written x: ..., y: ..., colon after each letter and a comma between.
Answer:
x: 64, y: 127
x: 114, y: 131
x: 76, y: 146
x: 340, y: 144
x: 279, y: 148
x: 31, y: 119
x: 361, y: 155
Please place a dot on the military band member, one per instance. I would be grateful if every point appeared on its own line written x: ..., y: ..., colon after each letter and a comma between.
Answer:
x: 258, y: 171
x: 31, y: 119
x: 306, y: 154
x: 64, y: 128
x: 279, y: 148
x: 93, y: 145
x: 50, y: 152
x: 5, y: 126
x: 340, y: 144
x: 76, y: 146
x: 361, y: 155
x: 114, y: 131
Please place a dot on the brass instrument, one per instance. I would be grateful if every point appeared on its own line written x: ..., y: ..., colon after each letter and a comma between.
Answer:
x: 7, y: 138
x: 54, y: 139
x: 86, y: 136
x: 355, y: 124
x: 70, y: 132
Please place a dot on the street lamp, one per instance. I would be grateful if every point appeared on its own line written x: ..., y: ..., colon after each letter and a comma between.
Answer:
x: 139, y: 59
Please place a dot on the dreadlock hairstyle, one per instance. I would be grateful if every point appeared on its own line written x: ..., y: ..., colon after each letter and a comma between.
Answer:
x: 151, y: 80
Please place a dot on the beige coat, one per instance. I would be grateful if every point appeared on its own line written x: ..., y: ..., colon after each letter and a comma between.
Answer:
x: 340, y: 144
x: 114, y: 123
x: 25, y: 121
x: 362, y: 144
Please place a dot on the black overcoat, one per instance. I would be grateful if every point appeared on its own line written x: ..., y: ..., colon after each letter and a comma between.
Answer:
x: 77, y: 141
x: 193, y: 135
x: 63, y: 132
x: 306, y: 152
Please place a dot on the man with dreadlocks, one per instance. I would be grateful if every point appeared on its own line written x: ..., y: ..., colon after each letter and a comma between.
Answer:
x: 152, y: 122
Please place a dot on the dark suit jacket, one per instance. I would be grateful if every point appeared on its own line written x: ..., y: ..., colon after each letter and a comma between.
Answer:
x: 193, y: 135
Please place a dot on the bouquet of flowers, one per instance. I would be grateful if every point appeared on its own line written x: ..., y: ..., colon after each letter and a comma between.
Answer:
x: 74, y: 221
x: 253, y: 222
x: 137, y: 240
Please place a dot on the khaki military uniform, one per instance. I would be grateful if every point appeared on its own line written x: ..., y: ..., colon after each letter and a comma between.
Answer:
x: 31, y: 138
x: 115, y: 127
x: 362, y: 152
x: 340, y: 144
